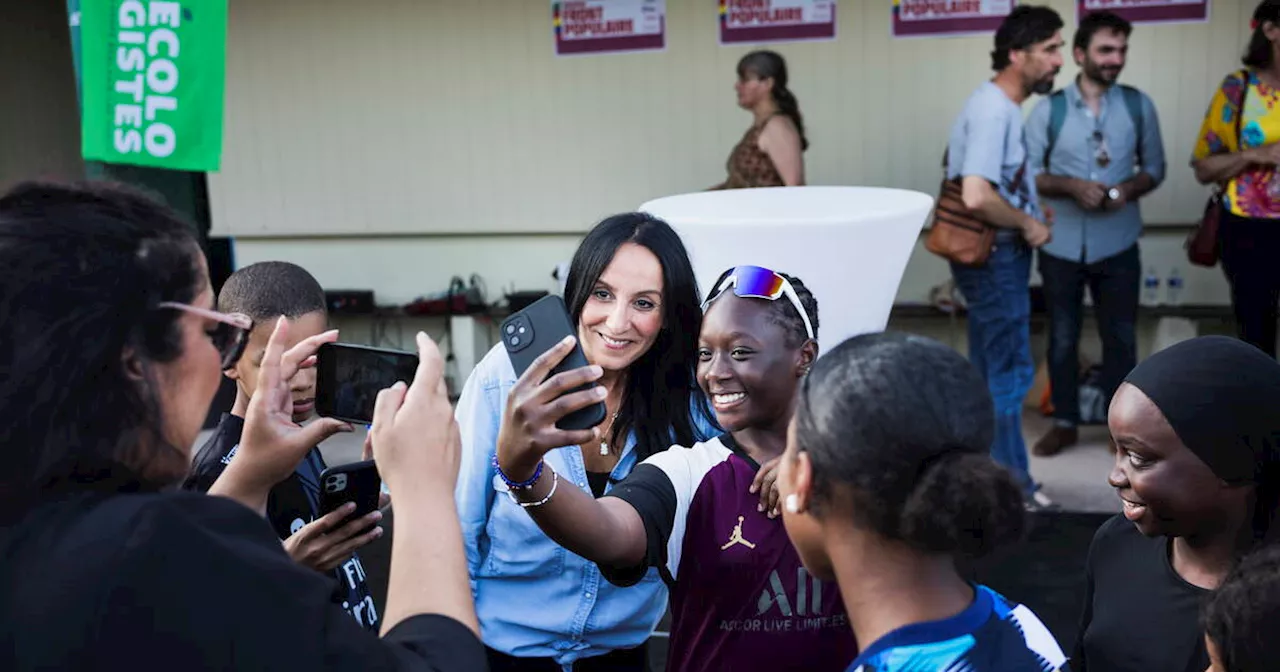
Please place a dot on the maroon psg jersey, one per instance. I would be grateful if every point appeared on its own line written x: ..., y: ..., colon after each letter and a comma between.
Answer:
x: 740, y: 598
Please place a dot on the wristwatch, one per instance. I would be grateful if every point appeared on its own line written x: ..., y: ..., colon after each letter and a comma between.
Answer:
x: 1113, y: 193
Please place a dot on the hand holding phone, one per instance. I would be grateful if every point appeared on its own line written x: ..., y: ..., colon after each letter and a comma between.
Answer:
x: 535, y: 331
x: 328, y: 541
x: 556, y: 401
x: 272, y: 444
x: 356, y: 483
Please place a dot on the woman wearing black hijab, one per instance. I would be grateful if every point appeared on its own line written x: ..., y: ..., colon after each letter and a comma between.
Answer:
x: 1196, y: 428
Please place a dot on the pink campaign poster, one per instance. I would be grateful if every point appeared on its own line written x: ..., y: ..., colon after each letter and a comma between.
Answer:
x: 920, y: 18
x: 1149, y: 11
x: 776, y: 20
x: 609, y: 26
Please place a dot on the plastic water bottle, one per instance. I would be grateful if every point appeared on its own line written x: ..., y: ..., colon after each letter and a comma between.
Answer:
x: 1150, y: 287
x: 1173, y: 288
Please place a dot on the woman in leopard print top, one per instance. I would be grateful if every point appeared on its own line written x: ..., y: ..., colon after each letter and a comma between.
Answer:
x: 770, y: 153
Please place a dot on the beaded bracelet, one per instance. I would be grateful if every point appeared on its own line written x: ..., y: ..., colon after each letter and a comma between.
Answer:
x: 555, y: 480
x: 518, y: 485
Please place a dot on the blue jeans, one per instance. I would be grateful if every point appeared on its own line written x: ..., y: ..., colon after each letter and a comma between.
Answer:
x: 1000, y: 345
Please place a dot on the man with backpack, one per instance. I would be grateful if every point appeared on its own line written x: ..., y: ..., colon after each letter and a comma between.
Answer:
x: 1096, y: 147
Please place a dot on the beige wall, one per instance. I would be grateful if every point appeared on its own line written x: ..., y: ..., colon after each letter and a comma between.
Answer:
x: 39, y: 115
x: 440, y: 121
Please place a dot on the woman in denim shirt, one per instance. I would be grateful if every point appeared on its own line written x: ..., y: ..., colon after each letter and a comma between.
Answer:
x: 632, y: 292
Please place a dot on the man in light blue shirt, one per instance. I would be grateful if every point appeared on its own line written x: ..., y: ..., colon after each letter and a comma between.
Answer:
x: 988, y: 154
x: 1096, y: 149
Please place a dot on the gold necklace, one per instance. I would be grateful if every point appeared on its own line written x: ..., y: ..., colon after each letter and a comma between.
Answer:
x: 604, y: 445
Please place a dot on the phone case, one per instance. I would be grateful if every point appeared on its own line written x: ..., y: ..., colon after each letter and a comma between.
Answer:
x: 534, y: 330
x: 326, y: 359
x: 357, y: 482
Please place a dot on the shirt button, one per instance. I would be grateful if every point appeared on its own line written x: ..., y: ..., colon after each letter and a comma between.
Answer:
x: 588, y: 596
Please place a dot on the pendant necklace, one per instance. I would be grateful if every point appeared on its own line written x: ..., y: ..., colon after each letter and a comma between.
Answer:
x: 604, y: 445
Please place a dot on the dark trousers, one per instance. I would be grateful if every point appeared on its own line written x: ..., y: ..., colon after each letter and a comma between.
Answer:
x: 1250, y: 262
x: 1114, y: 283
x: 622, y: 660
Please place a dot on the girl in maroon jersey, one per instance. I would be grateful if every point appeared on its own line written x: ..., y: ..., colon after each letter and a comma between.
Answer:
x: 740, y: 597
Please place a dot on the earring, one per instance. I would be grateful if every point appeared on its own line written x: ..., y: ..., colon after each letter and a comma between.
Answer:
x: 793, y: 503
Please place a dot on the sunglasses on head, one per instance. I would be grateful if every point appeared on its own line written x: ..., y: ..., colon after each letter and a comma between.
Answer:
x: 754, y: 282
x: 230, y: 336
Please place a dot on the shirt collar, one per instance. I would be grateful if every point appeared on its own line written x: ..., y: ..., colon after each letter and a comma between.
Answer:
x: 1077, y: 97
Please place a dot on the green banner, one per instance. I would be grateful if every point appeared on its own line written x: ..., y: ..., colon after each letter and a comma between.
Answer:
x: 152, y: 77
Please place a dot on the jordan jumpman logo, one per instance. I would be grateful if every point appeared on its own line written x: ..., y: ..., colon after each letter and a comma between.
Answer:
x: 736, y: 537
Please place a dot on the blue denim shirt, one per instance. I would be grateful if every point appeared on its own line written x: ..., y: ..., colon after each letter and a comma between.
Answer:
x: 1090, y: 236
x: 534, y: 598
x: 987, y: 140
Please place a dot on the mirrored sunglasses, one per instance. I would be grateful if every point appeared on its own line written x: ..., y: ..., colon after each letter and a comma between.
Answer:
x: 755, y: 282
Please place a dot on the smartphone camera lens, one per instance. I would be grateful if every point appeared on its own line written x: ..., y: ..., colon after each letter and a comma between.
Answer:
x: 517, y: 334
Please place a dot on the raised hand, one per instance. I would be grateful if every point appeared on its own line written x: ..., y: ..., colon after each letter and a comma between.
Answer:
x: 415, y: 438
x: 272, y: 442
x: 534, y: 405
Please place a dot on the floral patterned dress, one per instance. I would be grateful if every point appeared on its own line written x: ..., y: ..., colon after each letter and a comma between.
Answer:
x: 1254, y: 193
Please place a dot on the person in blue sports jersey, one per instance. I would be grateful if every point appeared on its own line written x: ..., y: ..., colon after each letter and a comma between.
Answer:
x: 886, y: 481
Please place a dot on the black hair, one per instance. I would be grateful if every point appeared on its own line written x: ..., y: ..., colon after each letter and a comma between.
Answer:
x: 898, y: 428
x: 1024, y: 27
x: 770, y: 65
x: 1242, y: 616
x: 1259, y: 53
x: 266, y: 290
x: 784, y: 314
x: 1093, y: 22
x: 82, y: 269
x: 661, y: 385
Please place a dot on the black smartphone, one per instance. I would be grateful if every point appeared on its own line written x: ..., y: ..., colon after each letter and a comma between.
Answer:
x: 357, y: 482
x: 349, y: 378
x: 534, y: 330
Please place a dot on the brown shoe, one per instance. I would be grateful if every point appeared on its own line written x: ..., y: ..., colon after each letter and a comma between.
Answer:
x: 1055, y: 440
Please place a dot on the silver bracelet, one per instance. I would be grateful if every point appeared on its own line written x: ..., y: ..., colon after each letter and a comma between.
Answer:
x: 555, y: 480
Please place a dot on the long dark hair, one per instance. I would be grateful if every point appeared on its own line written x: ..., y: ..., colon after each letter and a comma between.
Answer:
x: 903, y: 424
x: 1259, y: 53
x: 82, y: 268
x: 770, y: 65
x: 661, y: 385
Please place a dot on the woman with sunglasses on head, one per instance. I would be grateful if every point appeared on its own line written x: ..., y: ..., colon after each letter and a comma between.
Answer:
x: 887, y: 480
x: 632, y: 294
x: 1198, y: 472
x: 112, y: 353
x: 739, y: 597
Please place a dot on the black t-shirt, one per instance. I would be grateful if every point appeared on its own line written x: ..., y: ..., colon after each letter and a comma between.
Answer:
x: 1139, y: 615
x: 292, y: 503
x: 186, y: 581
